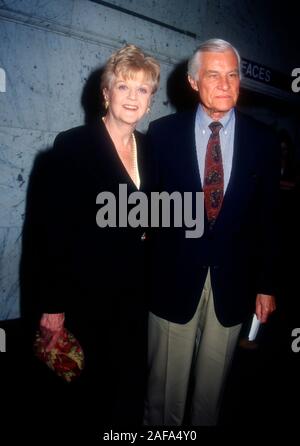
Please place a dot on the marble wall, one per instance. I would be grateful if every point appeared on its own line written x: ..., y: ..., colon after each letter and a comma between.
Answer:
x: 48, y: 50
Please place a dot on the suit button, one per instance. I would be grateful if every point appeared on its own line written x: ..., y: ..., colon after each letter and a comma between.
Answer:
x: 215, y: 267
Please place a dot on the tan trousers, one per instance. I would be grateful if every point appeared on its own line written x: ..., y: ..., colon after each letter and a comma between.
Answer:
x: 199, y: 352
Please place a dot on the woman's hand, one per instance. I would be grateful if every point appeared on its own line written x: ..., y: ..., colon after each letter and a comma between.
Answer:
x: 51, y: 327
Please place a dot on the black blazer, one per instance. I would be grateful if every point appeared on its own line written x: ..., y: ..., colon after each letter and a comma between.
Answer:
x: 241, y: 249
x: 95, y: 275
x: 68, y: 263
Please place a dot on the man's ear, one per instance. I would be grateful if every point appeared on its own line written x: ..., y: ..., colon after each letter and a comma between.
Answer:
x: 193, y: 83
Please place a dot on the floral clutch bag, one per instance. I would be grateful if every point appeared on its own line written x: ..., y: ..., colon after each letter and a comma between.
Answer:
x: 66, y: 358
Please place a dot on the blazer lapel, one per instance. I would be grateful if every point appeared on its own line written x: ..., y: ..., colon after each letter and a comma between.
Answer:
x: 105, y: 158
x: 186, y: 156
x: 242, y: 175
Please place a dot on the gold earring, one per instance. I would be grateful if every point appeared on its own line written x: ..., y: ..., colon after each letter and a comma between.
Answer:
x: 106, y: 104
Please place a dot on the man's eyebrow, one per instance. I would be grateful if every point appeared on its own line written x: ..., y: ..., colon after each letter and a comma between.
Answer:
x: 235, y: 70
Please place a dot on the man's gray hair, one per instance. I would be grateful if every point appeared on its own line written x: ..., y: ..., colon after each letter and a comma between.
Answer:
x: 214, y: 46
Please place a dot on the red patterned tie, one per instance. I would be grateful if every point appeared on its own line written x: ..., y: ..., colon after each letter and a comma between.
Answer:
x: 213, y: 174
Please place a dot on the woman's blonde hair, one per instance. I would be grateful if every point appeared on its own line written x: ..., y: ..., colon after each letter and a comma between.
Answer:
x: 128, y: 61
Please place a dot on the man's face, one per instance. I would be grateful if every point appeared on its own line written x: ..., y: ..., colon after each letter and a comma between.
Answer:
x: 217, y: 83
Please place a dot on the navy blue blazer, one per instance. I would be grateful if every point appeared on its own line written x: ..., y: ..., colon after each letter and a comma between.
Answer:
x: 68, y: 263
x: 241, y: 249
x: 95, y: 275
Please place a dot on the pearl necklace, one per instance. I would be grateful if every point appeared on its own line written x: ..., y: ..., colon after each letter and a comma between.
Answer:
x: 136, y: 178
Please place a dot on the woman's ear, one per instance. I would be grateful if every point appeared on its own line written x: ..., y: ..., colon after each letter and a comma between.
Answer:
x: 150, y: 103
x: 105, y: 94
x: 193, y: 83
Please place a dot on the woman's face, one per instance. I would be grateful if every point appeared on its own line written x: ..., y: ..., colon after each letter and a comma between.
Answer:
x: 129, y: 99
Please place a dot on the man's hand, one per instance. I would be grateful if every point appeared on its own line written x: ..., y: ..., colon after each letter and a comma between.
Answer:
x: 265, y: 305
x: 51, y: 327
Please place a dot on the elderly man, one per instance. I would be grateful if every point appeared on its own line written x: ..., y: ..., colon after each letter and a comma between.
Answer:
x: 203, y: 289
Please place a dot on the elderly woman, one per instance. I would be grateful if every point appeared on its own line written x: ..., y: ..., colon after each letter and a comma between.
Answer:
x: 87, y: 278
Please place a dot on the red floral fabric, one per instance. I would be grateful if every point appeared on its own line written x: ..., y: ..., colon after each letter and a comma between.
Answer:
x: 66, y: 358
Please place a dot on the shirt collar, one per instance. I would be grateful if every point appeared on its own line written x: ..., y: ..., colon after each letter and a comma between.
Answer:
x: 203, y: 120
